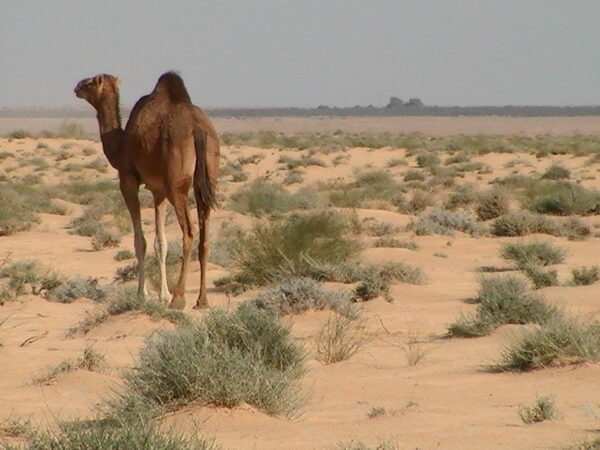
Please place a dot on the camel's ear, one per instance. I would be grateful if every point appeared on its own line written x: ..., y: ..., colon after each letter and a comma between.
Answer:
x: 98, y: 79
x: 118, y: 82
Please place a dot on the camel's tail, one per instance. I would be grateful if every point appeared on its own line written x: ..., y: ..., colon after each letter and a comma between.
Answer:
x: 204, y: 189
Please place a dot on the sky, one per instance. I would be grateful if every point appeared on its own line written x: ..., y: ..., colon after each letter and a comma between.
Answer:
x: 306, y: 53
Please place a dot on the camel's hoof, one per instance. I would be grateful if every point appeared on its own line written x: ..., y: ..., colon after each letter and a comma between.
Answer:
x: 178, y: 302
x: 201, y: 305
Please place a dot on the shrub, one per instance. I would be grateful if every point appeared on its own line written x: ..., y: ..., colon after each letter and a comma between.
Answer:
x: 19, y: 203
x: 543, y: 409
x: 541, y: 278
x: 280, y: 249
x: 376, y: 279
x: 301, y: 294
x: 261, y: 198
x: 224, y: 360
x: 123, y: 255
x: 29, y: 276
x: 414, y: 175
x: 370, y: 185
x: 339, y: 339
x: 536, y: 253
x: 556, y: 172
x: 502, y: 300
x: 104, y: 238
x: 560, y: 341
x: 562, y: 198
x: 395, y: 243
x: 426, y: 159
x: 77, y: 288
x: 585, y: 275
x: 521, y: 223
x: 492, y: 204
x: 442, y: 221
x: 134, y: 431
x: 419, y: 201
x: 463, y: 196
x: 126, y: 299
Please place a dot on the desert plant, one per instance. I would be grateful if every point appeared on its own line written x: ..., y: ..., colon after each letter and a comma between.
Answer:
x: 339, y: 339
x: 542, y: 409
x: 464, y: 195
x: 280, y: 249
x: 539, y: 277
x: 76, y: 288
x: 558, y: 342
x: 225, y: 359
x: 492, y: 204
x: 414, y: 175
x: 369, y: 186
x: 442, y: 221
x: 395, y: 243
x: 90, y: 359
x: 521, y: 223
x: 413, y: 348
x: 123, y: 255
x: 536, y: 253
x: 300, y: 294
x: 561, y: 198
x: 502, y: 300
x: 585, y: 275
x: 427, y: 159
x: 556, y: 172
x: 262, y: 197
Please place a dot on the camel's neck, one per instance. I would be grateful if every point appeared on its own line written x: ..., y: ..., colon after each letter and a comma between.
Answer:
x: 109, y: 121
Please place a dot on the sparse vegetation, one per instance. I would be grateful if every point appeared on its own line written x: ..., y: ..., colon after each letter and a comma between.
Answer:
x: 225, y: 359
x: 370, y: 186
x: 90, y: 359
x: 561, y: 198
x: 543, y: 409
x: 521, y: 223
x: 535, y: 253
x: 585, y: 276
x: 442, y: 221
x: 492, y: 204
x: 339, y: 339
x: 502, y: 300
x: 556, y: 172
x: 301, y: 294
x: 558, y: 342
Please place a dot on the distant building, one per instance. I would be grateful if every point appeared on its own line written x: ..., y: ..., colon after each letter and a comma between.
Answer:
x: 415, y: 102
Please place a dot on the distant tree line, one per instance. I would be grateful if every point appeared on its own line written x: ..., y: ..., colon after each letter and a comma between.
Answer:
x: 395, y: 107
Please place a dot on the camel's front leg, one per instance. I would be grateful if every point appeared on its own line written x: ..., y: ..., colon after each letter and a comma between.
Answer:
x: 129, y: 188
x: 160, y: 245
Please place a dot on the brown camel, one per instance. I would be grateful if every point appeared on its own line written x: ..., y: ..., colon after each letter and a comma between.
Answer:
x: 168, y: 144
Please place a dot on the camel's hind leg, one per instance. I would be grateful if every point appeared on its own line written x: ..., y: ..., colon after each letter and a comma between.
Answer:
x: 203, y: 216
x: 129, y: 188
x: 160, y: 245
x: 187, y: 228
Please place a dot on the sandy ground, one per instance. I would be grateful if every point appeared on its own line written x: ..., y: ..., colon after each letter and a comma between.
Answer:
x: 438, y: 126
x: 447, y: 400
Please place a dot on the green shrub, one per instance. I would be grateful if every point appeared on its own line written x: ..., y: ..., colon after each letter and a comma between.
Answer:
x: 585, y: 276
x: 370, y: 185
x: 130, y: 431
x: 502, y: 300
x: 19, y: 134
x: 492, y: 204
x: 414, y: 175
x: 464, y: 195
x: 228, y: 358
x: 262, y: 197
x: 442, y: 221
x: 562, y: 198
x: 391, y: 242
x: 535, y: 253
x: 126, y: 299
x: 123, y: 255
x: 301, y: 294
x: 375, y: 279
x: 285, y: 248
x: 521, y: 223
x: 543, y: 409
x: 556, y: 172
x: 541, y: 278
x: 19, y: 203
x: 558, y: 342
x: 427, y: 159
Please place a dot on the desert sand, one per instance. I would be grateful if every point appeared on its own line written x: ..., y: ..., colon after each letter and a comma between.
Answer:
x: 448, y: 400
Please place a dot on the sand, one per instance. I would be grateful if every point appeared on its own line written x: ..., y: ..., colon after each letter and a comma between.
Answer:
x: 448, y: 400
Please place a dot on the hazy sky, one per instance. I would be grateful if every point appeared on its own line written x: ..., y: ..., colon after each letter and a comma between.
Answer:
x: 306, y: 52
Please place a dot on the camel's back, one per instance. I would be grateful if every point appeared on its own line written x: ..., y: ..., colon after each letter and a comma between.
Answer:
x: 167, y: 113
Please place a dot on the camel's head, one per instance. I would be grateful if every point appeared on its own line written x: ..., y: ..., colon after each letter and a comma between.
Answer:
x: 98, y: 88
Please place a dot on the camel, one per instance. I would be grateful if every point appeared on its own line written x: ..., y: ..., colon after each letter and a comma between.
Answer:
x: 169, y: 144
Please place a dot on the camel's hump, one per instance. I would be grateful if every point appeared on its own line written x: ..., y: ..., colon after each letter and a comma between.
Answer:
x: 171, y: 84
